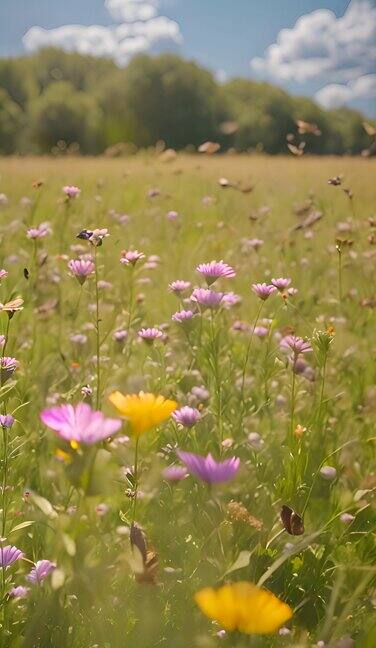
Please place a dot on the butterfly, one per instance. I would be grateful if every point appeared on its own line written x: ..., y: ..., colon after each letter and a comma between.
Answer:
x: 142, y: 561
x: 292, y: 521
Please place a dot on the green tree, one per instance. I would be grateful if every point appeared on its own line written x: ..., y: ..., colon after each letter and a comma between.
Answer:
x: 62, y: 113
x: 11, y: 124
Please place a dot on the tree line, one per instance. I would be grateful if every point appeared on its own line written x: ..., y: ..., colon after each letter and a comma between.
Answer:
x: 54, y: 101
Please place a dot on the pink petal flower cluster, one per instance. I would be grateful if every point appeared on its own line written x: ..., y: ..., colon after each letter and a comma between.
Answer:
x: 79, y: 423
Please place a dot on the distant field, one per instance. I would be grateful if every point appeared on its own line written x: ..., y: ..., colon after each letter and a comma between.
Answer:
x: 301, y: 422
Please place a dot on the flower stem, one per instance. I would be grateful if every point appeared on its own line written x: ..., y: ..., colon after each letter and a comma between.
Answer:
x: 97, y: 330
x: 247, y: 358
x: 292, y: 409
x: 135, y: 480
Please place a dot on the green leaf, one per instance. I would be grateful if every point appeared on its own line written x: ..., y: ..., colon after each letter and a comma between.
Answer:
x: 241, y: 561
x: 22, y: 525
x: 44, y: 505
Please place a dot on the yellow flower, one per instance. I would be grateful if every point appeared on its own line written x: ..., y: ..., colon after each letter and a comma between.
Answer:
x: 144, y: 411
x: 245, y: 607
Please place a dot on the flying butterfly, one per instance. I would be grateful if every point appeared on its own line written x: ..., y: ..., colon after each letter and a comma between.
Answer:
x: 12, y: 306
x: 292, y: 521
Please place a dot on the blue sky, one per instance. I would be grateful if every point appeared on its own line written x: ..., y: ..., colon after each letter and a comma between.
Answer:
x: 326, y: 49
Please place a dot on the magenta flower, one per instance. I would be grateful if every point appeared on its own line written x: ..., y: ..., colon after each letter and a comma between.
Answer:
x: 6, y: 420
x: 207, y: 298
x: 183, y: 316
x: 120, y: 335
x: 207, y: 469
x: 40, y: 572
x: 3, y: 274
x: 174, y: 473
x: 9, y: 555
x: 19, y: 592
x: 7, y: 367
x: 79, y: 423
x: 281, y: 283
x: 131, y: 257
x: 179, y: 286
x: 263, y: 290
x: 149, y: 335
x: 231, y: 299
x: 81, y: 269
x: 261, y: 331
x: 296, y: 344
x: 214, y: 270
x: 186, y: 416
x: 71, y: 191
x: 38, y: 232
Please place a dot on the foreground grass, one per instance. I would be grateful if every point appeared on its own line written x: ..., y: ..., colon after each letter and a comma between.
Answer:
x: 327, y: 574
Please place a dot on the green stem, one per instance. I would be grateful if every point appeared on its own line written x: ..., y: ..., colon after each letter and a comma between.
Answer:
x: 6, y: 338
x: 135, y: 481
x: 292, y: 410
x: 97, y: 329
x: 339, y: 275
x: 247, y: 358
x: 4, y: 482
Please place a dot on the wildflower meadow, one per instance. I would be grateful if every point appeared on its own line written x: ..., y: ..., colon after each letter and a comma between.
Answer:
x: 187, y: 401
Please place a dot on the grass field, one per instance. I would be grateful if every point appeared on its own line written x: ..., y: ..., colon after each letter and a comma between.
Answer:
x: 286, y: 385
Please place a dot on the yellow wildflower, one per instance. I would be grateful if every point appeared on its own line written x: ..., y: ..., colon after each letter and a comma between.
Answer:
x: 144, y: 411
x: 245, y: 607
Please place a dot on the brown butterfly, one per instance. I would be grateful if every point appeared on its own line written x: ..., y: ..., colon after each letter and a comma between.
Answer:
x: 297, y: 150
x: 306, y: 127
x: 209, y: 147
x: 292, y: 521
x: 144, y: 562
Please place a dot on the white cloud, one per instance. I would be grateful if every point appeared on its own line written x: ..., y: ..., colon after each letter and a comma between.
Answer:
x: 131, y: 10
x: 140, y: 30
x: 322, y: 47
x: 336, y: 94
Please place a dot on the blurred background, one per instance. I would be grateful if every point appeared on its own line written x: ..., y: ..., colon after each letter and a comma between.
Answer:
x: 111, y: 76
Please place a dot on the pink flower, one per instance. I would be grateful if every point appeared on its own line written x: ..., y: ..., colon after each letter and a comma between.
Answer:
x: 263, y: 290
x: 9, y: 555
x: 231, y: 299
x: 207, y: 469
x: 296, y: 344
x: 3, y: 274
x: 172, y: 215
x: 186, y: 416
x: 71, y: 191
x: 131, y: 257
x: 183, y: 316
x: 79, y: 423
x: 174, y: 473
x: 261, y: 331
x: 179, y: 286
x: 207, y: 298
x: 40, y: 572
x: 81, y: 268
x: 214, y: 270
x: 150, y: 334
x: 38, y: 232
x: 281, y: 283
x: 8, y: 366
x: 19, y: 592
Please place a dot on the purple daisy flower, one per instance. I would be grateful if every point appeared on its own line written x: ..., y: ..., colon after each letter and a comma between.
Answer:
x: 71, y: 191
x: 9, y: 555
x: 40, y: 572
x: 38, y: 232
x: 179, y: 286
x: 6, y: 420
x: 183, y: 316
x: 7, y: 367
x: 19, y: 592
x: 296, y: 344
x: 214, y: 270
x: 150, y: 334
x: 263, y: 290
x: 207, y: 298
x: 281, y: 283
x: 80, y: 423
x: 81, y: 269
x: 130, y: 257
x: 207, y: 469
x: 231, y: 299
x: 174, y: 473
x: 186, y: 416
x: 261, y: 331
